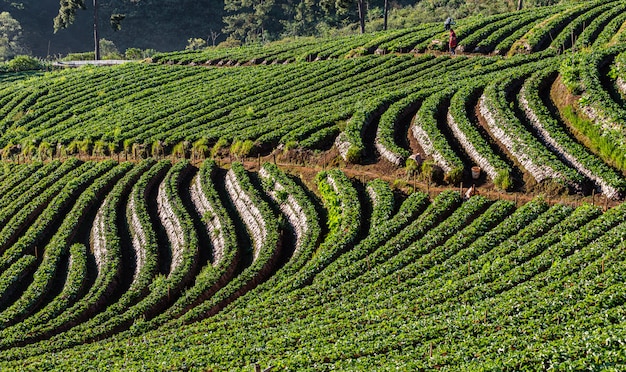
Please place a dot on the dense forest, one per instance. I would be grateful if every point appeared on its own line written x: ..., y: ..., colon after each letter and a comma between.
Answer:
x: 28, y: 26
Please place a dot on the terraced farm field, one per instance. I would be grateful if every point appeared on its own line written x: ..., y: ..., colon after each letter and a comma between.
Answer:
x: 144, y: 223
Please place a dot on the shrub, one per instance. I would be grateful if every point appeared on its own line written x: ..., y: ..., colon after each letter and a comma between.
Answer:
x: 431, y: 172
x: 503, y: 180
x: 220, y: 144
x: 354, y: 155
x: 133, y: 53
x: 454, y: 176
x: 411, y: 167
x: 24, y: 63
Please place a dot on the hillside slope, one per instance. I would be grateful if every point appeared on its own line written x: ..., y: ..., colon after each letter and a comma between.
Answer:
x: 140, y: 230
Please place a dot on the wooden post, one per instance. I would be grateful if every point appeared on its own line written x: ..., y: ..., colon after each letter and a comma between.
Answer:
x: 593, y: 197
x: 385, y: 15
x: 257, y: 367
x: 603, y: 266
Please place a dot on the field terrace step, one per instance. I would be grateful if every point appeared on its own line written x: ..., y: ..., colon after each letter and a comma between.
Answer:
x: 210, y: 220
x: 291, y: 209
x: 552, y: 142
x: 172, y: 225
x: 469, y: 148
x: 138, y: 236
x: 516, y: 146
x: 250, y: 214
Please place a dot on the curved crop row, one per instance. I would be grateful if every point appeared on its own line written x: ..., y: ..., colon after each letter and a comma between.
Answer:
x: 344, y: 225
x: 87, y: 187
x: 610, y: 182
x: 581, y: 74
x: 263, y: 229
x: 474, y: 144
x: 431, y: 139
x: 507, y: 128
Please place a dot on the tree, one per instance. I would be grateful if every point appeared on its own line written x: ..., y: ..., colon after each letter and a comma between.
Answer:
x: 344, y: 10
x: 195, y: 44
x: 10, y: 37
x: 386, y: 14
x: 67, y: 15
x: 251, y: 20
x: 362, y: 14
x: 300, y: 17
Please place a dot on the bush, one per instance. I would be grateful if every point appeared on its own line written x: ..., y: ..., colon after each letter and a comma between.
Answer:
x: 503, y: 180
x: 411, y: 167
x: 24, y: 63
x: 570, y: 73
x: 431, y: 172
x: 354, y: 155
x: 246, y: 148
x: 133, y: 53
x: 242, y: 148
x: 86, y: 56
x: 454, y: 176
x: 220, y: 144
x: 195, y: 44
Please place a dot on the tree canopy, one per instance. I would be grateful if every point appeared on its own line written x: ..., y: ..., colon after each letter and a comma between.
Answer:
x: 166, y: 25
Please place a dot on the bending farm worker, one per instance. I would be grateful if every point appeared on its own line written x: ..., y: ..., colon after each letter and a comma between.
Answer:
x: 448, y: 23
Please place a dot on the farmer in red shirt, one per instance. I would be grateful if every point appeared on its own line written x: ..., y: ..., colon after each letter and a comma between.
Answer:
x: 452, y: 42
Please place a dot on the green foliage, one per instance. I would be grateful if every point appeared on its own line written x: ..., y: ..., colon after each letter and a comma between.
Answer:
x: 430, y: 172
x: 11, y: 39
x: 246, y: 148
x: 108, y: 50
x: 85, y: 56
x: 353, y: 155
x: 503, y: 180
x: 24, y: 63
x: 242, y: 148
x: 219, y: 145
x: 411, y: 167
x: 67, y: 13
x: 133, y: 53
x: 570, y: 72
x: 195, y: 44
x: 454, y: 176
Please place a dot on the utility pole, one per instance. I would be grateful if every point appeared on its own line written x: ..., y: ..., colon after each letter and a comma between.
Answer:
x: 386, y: 13
x: 96, y: 39
x: 361, y: 4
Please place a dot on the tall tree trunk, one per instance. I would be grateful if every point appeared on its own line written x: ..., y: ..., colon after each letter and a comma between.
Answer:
x: 361, y: 4
x: 386, y: 14
x: 96, y: 39
x: 520, y: 4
